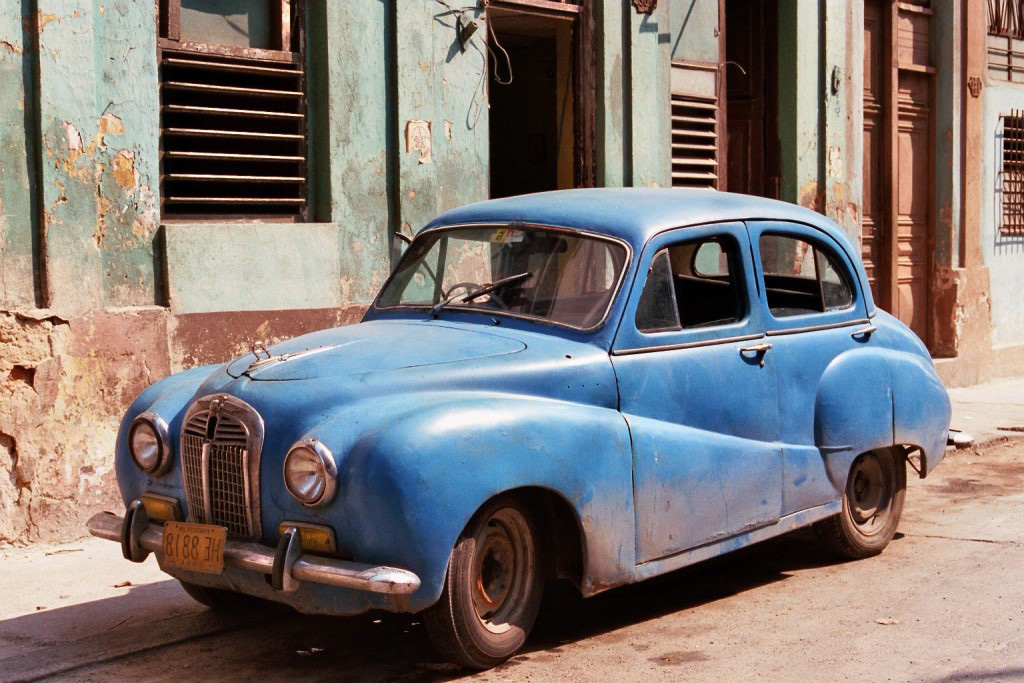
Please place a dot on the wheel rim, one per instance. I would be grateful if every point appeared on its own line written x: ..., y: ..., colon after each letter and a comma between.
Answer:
x: 869, y: 492
x: 503, y: 570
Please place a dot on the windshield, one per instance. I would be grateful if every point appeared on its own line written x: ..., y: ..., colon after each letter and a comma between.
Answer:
x: 558, y: 276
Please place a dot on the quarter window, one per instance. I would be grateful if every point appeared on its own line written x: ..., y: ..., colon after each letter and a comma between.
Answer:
x: 691, y: 285
x: 801, y: 278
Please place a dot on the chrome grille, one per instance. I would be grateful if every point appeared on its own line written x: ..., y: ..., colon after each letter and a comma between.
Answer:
x: 220, y: 448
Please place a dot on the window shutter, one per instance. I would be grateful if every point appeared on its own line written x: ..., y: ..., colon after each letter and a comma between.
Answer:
x: 233, y: 135
x: 694, y: 142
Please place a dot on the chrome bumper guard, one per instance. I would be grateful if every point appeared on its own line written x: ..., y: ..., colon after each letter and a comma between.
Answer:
x: 284, y: 566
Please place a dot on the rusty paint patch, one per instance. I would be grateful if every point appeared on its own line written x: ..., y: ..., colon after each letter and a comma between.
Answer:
x: 124, y: 170
x: 45, y: 19
x: 811, y: 196
x: 8, y: 46
x: 111, y: 125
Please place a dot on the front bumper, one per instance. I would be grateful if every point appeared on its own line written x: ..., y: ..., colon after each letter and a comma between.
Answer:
x: 285, y: 567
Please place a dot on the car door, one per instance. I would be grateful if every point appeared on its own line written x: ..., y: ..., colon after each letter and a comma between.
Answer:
x: 697, y: 388
x: 813, y: 311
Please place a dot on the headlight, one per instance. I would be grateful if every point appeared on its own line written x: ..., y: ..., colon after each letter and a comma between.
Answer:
x: 310, y: 473
x: 148, y: 443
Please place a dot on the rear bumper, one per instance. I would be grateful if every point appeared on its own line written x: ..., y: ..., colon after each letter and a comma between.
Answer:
x: 285, y: 567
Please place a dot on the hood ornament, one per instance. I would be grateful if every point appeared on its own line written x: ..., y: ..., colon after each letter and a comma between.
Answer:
x: 269, y: 359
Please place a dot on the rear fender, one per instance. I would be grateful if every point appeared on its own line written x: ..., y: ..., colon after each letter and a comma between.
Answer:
x: 853, y: 410
x: 875, y: 398
x: 921, y: 408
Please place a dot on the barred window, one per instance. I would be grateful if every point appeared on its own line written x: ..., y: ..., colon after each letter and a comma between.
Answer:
x: 232, y: 109
x: 1012, y: 174
x: 1006, y: 40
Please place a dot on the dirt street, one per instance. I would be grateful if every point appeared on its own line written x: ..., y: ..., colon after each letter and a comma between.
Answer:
x: 944, y: 602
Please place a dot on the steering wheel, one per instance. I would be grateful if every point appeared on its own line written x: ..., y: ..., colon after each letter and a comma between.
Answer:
x: 469, y: 287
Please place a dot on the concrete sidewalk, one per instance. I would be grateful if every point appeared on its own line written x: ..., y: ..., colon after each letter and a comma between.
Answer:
x: 989, y: 412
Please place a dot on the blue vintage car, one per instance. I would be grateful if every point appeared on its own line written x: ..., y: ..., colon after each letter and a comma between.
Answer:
x: 600, y: 385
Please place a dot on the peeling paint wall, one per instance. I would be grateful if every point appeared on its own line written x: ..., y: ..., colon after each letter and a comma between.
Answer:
x: 98, y: 298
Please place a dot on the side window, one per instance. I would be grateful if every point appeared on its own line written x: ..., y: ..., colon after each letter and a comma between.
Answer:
x: 690, y: 285
x: 801, y: 278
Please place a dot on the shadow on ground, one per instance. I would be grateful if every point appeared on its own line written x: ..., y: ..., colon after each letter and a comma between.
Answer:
x: 92, y: 640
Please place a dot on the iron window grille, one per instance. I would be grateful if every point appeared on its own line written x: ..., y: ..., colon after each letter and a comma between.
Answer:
x: 233, y: 120
x: 694, y: 142
x: 1011, y: 174
x: 1006, y: 39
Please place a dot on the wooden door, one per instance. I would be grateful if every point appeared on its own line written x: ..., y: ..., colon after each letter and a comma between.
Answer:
x: 751, y: 92
x: 898, y: 224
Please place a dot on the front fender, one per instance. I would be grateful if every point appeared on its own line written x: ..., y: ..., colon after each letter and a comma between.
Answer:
x: 167, y: 398
x: 415, y: 475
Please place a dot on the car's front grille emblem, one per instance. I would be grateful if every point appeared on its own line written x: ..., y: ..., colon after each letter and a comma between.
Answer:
x: 221, y: 441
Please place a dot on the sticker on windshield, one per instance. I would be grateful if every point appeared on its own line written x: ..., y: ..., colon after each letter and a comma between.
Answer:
x: 506, y: 235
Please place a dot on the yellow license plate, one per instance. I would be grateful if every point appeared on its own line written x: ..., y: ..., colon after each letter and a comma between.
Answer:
x: 196, y: 547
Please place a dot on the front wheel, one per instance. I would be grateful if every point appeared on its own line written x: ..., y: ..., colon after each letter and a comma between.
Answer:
x: 872, y: 503
x: 492, y: 590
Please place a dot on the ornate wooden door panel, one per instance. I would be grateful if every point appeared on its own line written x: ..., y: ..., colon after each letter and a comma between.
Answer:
x: 897, y: 215
x: 913, y: 201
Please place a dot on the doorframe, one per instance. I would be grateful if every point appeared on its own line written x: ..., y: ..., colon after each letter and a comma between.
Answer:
x: 584, y: 69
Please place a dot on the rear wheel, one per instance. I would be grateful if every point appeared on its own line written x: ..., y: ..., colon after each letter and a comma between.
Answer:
x: 492, y: 590
x: 872, y: 504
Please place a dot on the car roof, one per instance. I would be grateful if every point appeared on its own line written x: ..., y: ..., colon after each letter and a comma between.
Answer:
x: 632, y: 214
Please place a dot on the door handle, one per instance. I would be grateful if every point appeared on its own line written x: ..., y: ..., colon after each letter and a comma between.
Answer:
x: 864, y: 332
x: 759, y: 349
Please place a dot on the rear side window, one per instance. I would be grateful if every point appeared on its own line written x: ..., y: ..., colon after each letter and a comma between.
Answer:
x: 802, y: 278
x: 690, y: 285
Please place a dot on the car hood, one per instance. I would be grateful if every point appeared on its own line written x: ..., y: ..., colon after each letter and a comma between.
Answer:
x: 369, y: 347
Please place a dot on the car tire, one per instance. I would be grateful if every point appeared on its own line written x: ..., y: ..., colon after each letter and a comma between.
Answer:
x: 221, y: 600
x: 492, y: 589
x: 872, y: 503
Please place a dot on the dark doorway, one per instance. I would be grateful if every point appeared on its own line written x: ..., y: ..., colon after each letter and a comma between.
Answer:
x: 541, y: 132
x: 751, y: 77
x: 531, y: 113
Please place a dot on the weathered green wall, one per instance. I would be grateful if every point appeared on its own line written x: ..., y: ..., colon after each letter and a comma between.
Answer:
x: 98, y: 299
x: 18, y: 202
x: 695, y: 30
x: 821, y: 81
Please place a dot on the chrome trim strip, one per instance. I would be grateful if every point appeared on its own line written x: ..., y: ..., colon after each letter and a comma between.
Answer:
x: 687, y: 345
x: 519, y: 316
x: 815, y: 328
x: 204, y: 470
x: 258, y: 558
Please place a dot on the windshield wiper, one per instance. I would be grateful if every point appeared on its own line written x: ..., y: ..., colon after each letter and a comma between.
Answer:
x: 481, y: 290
